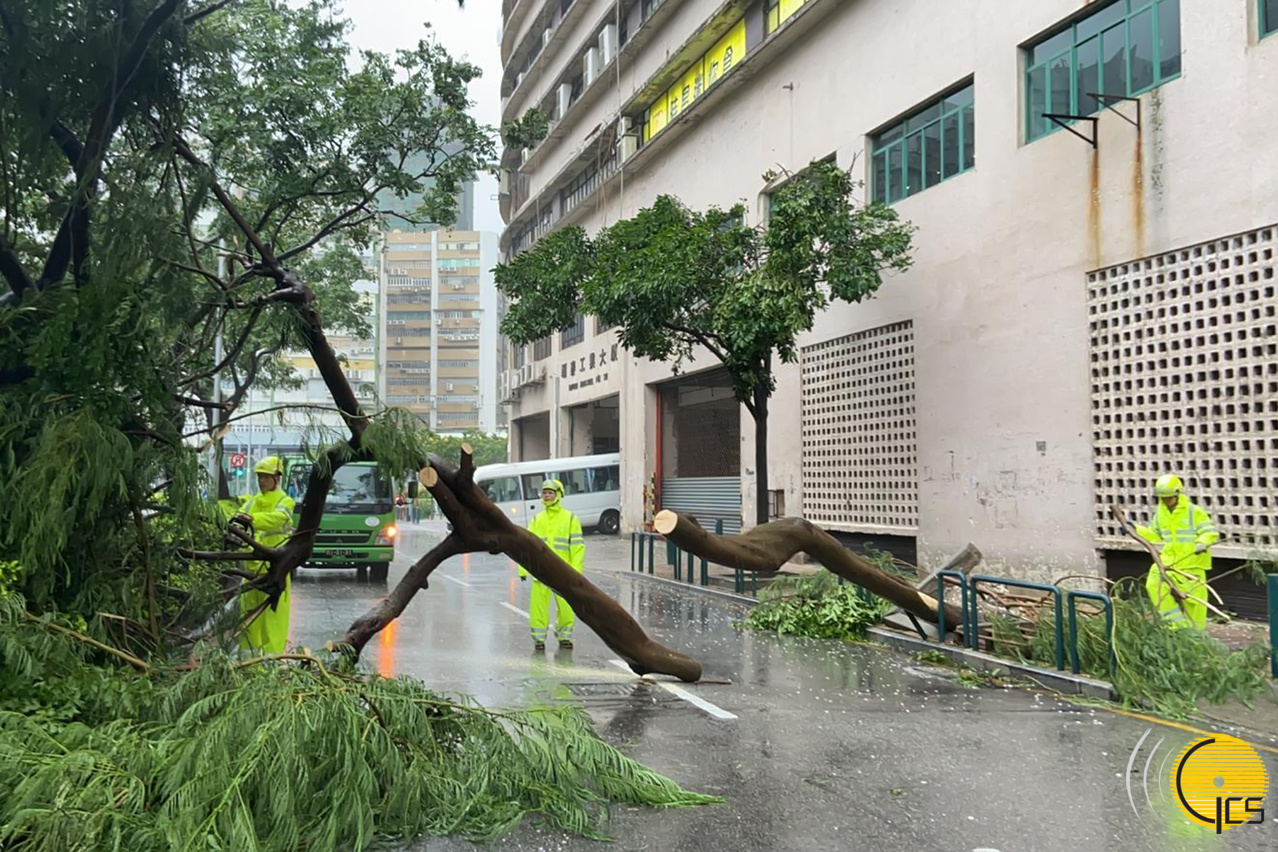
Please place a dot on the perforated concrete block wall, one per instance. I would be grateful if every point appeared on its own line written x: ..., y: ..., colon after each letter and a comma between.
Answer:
x: 1184, y: 374
x: 860, y: 467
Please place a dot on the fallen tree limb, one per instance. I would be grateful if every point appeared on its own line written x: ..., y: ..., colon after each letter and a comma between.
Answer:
x: 481, y: 526
x: 390, y: 607
x: 767, y: 547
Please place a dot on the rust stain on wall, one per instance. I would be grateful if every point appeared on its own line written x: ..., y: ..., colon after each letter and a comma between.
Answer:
x: 1094, y: 212
x: 1138, y: 193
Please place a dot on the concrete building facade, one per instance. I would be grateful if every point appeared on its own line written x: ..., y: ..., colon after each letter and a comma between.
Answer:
x: 438, y: 340
x: 1095, y: 191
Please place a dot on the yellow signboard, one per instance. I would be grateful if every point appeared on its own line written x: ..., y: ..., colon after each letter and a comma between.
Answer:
x: 703, y: 73
x: 779, y: 11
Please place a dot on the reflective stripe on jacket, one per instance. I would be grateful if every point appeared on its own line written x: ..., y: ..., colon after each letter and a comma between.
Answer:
x: 561, y: 531
x: 1180, y: 532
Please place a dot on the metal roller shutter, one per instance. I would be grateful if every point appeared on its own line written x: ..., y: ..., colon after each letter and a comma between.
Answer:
x: 708, y: 499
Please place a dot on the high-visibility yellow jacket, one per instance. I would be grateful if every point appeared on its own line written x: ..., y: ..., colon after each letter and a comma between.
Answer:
x: 561, y: 531
x: 272, y: 515
x: 1180, y: 532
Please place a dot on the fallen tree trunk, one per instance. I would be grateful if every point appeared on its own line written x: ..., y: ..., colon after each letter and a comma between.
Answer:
x: 767, y: 547
x: 480, y: 526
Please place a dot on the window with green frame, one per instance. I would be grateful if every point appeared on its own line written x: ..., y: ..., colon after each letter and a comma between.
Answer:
x: 1268, y: 17
x: 1123, y: 49
x: 933, y: 144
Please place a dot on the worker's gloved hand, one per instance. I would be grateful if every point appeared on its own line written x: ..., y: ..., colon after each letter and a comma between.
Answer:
x: 243, y: 520
x: 1201, y: 548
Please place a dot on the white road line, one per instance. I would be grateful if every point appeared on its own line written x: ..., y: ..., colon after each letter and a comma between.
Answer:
x: 680, y: 692
x: 454, y: 580
x: 514, y: 609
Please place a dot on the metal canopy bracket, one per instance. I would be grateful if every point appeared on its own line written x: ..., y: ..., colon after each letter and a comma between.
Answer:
x: 1067, y: 121
x: 1063, y: 120
x: 1105, y: 99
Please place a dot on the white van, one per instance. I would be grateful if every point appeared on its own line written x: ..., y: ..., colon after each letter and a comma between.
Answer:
x: 592, y: 488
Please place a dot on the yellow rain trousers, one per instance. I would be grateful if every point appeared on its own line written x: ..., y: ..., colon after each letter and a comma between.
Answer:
x: 1180, y: 532
x: 561, y: 531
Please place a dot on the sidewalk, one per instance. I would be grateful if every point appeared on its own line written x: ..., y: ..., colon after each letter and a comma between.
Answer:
x: 1258, y: 723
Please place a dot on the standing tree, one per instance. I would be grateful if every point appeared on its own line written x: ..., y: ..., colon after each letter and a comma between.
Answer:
x: 172, y: 172
x: 674, y: 280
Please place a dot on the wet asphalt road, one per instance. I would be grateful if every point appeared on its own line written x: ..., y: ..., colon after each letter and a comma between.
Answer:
x: 816, y: 744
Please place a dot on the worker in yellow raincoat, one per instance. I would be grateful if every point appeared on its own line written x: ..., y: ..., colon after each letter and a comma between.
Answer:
x: 1186, y: 533
x: 268, y: 515
x: 561, y: 531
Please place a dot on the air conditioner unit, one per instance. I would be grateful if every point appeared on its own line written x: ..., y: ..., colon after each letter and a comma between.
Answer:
x: 448, y: 386
x: 438, y: 321
x: 608, y: 43
x: 546, y: 34
x: 590, y: 66
x: 563, y: 99
x: 503, y: 182
x: 627, y: 141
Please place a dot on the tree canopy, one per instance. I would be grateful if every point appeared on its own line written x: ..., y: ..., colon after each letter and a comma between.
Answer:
x: 138, y: 142
x: 673, y: 280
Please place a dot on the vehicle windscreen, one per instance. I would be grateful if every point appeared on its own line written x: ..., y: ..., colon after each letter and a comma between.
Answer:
x: 356, y: 489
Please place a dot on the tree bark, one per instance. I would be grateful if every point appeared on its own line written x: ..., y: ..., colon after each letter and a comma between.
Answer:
x: 480, y: 526
x: 769, y: 546
x: 761, y: 453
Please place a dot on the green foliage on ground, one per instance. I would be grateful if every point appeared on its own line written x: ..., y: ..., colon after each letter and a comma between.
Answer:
x: 279, y: 756
x: 1158, y: 667
x: 816, y: 606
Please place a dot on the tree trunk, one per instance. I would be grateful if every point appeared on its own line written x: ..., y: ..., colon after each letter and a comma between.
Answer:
x: 761, y: 453
x: 766, y: 548
x: 480, y: 526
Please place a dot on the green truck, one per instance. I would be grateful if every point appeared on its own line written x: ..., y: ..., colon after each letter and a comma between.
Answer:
x: 358, y: 526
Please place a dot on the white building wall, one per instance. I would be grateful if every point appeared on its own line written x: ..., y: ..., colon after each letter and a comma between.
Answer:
x: 997, y: 294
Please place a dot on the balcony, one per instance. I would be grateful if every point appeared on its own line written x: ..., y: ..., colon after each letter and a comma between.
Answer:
x: 544, y: 40
x: 526, y: 233
x: 560, y: 124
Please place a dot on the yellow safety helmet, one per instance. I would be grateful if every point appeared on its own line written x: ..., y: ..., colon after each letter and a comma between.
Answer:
x: 270, y: 465
x: 1168, y: 485
x: 554, y: 485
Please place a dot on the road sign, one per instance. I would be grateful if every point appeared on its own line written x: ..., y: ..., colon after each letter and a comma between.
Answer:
x: 237, y: 460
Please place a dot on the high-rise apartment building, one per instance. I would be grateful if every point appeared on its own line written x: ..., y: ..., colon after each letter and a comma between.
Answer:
x: 438, y: 310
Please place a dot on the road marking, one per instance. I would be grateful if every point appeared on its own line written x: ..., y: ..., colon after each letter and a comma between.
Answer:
x: 1180, y: 726
x: 514, y: 609
x: 680, y: 692
x: 454, y: 580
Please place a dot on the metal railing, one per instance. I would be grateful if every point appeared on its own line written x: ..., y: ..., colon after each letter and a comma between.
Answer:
x: 1273, y: 624
x: 974, y: 616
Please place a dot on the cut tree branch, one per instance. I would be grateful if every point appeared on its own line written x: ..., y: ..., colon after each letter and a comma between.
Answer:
x: 392, y: 606
x: 766, y: 548
x: 480, y: 525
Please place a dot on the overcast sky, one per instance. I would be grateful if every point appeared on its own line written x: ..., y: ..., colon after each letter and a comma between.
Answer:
x: 472, y: 33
